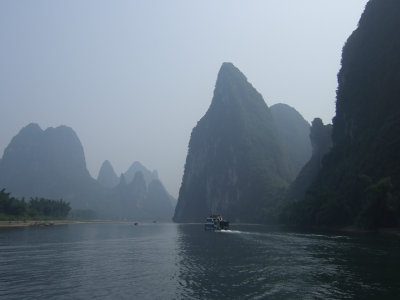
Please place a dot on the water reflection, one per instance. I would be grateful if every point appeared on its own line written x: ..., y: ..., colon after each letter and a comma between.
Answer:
x: 256, y: 262
x: 87, y: 261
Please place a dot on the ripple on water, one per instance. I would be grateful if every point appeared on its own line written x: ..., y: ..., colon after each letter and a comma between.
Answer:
x: 169, y: 261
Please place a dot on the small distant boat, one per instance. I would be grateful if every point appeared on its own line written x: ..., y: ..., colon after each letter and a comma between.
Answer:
x: 216, y: 222
x: 41, y: 223
x: 136, y: 223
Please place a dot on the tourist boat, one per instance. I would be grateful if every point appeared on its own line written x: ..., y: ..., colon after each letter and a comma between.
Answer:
x: 216, y: 222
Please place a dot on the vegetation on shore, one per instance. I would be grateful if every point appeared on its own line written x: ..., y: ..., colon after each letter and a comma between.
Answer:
x: 13, y: 209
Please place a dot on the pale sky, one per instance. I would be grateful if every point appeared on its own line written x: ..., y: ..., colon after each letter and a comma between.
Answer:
x: 132, y: 78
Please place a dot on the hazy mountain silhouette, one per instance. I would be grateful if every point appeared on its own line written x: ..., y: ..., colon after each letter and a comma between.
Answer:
x: 294, y: 132
x: 138, y: 201
x: 107, y: 176
x: 158, y: 201
x: 235, y: 164
x: 138, y: 167
x: 51, y: 164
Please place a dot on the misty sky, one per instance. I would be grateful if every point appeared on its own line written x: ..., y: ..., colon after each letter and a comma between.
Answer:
x: 132, y: 78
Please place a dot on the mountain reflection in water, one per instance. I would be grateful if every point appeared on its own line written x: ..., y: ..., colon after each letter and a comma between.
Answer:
x: 182, y: 261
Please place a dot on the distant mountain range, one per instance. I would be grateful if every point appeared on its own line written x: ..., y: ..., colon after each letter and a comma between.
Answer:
x: 250, y: 162
x: 51, y: 164
x: 108, y: 178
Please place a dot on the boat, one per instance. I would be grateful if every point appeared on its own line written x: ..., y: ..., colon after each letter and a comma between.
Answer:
x: 216, y: 222
x: 41, y: 223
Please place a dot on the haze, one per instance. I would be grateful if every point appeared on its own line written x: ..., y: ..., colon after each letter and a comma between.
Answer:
x: 132, y: 78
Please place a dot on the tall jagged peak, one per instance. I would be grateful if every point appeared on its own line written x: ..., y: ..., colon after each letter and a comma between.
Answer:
x: 228, y: 71
x: 235, y: 159
x: 232, y: 86
x: 107, y: 164
x: 107, y: 176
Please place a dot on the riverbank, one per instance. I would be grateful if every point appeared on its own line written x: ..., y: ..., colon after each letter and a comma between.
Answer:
x: 348, y: 229
x: 57, y: 222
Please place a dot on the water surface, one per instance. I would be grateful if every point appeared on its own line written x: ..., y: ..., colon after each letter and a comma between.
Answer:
x: 170, y: 261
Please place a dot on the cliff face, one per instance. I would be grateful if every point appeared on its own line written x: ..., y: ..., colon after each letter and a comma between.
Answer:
x: 235, y: 163
x: 321, y: 140
x: 369, y: 87
x: 294, y: 132
x: 359, y: 182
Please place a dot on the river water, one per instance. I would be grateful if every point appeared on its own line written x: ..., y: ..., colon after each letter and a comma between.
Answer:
x: 171, y: 261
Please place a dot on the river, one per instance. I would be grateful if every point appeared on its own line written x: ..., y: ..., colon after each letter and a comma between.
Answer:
x: 172, y: 261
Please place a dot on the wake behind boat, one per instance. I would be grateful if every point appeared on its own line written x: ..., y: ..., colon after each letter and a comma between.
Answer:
x: 216, y: 222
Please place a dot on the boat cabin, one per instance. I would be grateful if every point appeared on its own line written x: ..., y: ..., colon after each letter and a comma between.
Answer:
x: 216, y: 222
